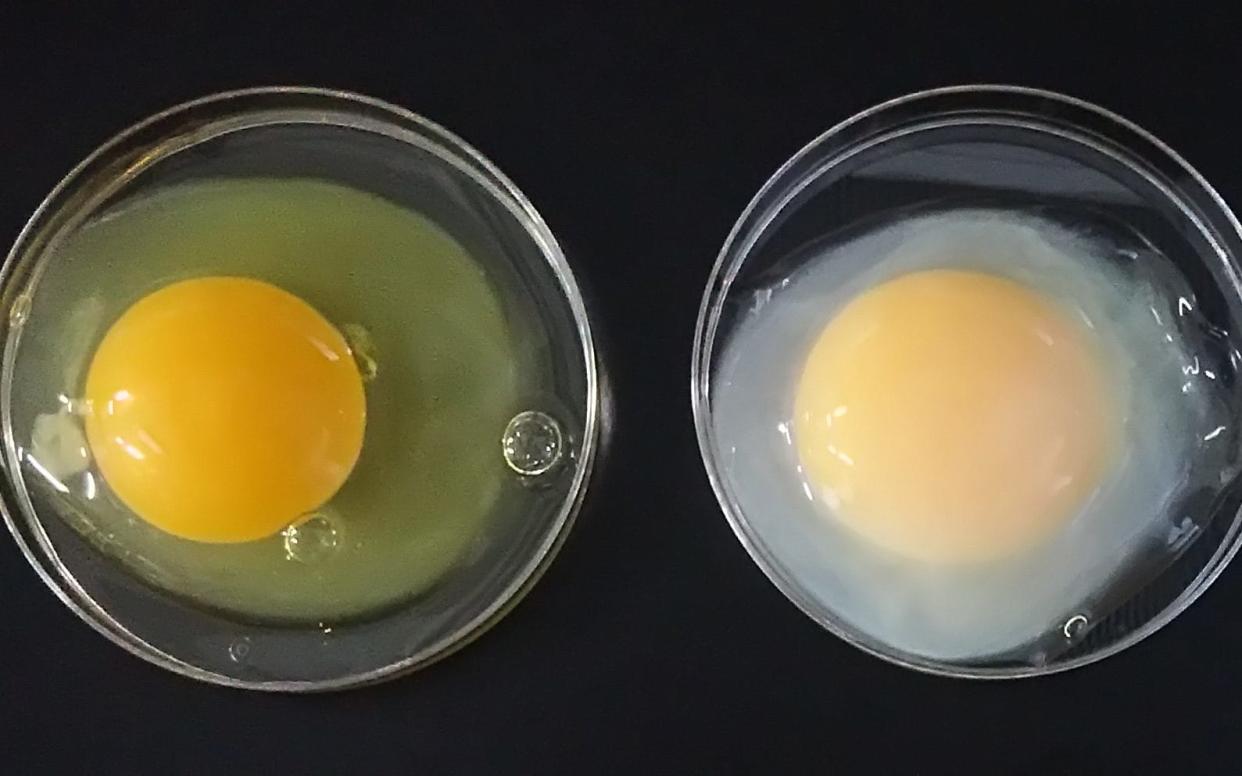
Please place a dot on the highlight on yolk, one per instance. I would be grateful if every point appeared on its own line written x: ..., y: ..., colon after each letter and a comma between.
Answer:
x: 223, y: 408
x: 955, y: 416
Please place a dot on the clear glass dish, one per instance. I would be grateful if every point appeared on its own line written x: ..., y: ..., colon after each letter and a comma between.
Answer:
x: 547, y: 450
x: 1011, y: 149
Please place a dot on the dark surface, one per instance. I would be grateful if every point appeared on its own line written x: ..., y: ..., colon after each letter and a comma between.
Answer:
x: 653, y: 644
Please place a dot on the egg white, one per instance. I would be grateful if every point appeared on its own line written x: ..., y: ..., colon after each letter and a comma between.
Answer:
x: 1171, y: 407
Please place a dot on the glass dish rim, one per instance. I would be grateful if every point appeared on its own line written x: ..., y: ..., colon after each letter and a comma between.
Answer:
x: 741, y: 240
x: 394, y: 122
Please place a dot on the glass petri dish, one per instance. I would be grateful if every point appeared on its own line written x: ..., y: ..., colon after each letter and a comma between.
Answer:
x: 1032, y: 154
x: 338, y: 198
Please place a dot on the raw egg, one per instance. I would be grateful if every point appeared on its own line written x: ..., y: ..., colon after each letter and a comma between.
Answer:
x: 223, y: 408
x: 214, y: 337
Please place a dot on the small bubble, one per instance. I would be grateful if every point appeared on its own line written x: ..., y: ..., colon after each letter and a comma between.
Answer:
x: 239, y: 650
x: 532, y: 443
x: 312, y: 539
x: 363, y: 349
x: 1075, y: 626
x: 20, y: 310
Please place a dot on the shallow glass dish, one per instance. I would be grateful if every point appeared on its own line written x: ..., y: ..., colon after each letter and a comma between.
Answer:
x: 539, y: 455
x: 1005, y: 149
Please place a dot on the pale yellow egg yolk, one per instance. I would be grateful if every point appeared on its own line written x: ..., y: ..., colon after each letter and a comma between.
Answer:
x: 955, y: 416
x: 223, y: 408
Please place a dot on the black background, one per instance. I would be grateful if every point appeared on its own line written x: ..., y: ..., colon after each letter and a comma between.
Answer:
x: 653, y: 644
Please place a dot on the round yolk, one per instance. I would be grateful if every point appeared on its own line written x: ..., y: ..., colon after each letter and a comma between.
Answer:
x: 954, y: 416
x: 222, y: 409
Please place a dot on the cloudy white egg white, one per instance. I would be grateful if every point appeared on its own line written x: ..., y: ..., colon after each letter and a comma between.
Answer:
x: 1133, y: 313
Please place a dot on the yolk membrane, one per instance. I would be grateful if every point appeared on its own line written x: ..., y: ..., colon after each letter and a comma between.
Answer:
x: 223, y: 408
x: 955, y: 416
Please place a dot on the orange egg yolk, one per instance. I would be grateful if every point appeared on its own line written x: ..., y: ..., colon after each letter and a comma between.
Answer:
x: 223, y: 408
x: 955, y: 416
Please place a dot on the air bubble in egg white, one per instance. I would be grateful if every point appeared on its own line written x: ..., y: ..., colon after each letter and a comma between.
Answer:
x: 313, y: 539
x: 532, y: 443
x: 239, y: 650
